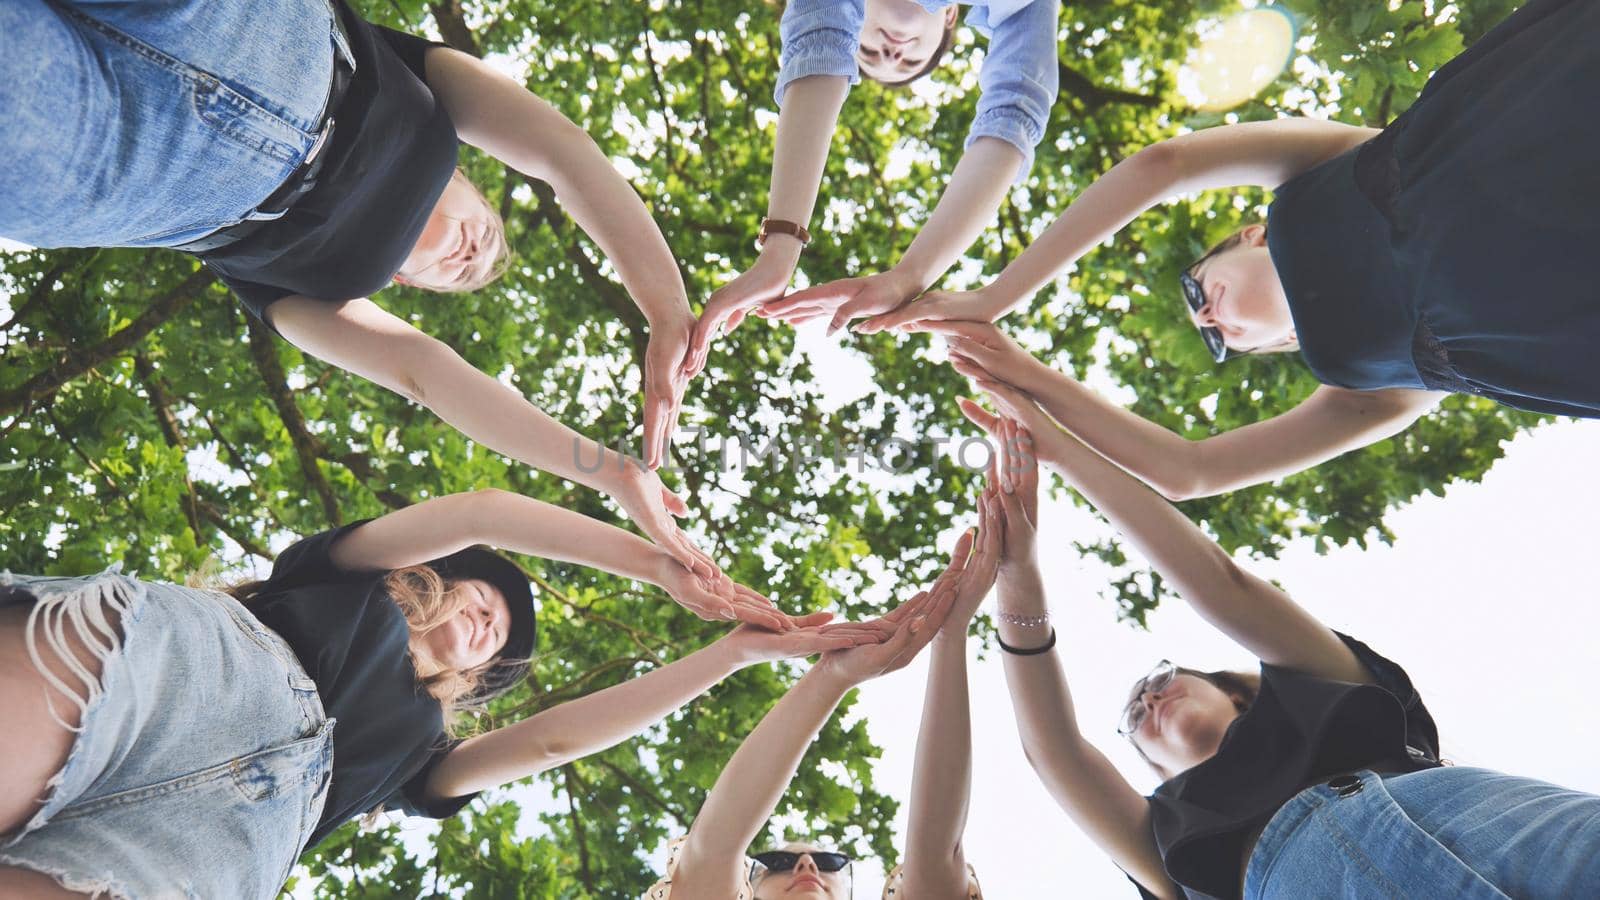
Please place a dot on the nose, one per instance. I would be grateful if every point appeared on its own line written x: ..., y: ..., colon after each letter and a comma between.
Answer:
x: 1206, y: 315
x: 806, y: 864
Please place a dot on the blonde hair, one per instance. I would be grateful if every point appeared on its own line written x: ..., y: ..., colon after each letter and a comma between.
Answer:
x: 497, y: 234
x: 428, y: 601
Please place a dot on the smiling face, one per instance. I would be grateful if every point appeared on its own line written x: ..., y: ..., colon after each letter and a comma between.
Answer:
x: 1244, y: 296
x: 475, y: 633
x: 804, y: 882
x: 900, y: 39
x: 461, y: 248
x: 1183, y: 722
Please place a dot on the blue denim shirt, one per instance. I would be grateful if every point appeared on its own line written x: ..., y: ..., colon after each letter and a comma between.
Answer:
x: 1019, y: 78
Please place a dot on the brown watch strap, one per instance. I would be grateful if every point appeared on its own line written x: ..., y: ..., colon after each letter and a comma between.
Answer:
x: 779, y: 226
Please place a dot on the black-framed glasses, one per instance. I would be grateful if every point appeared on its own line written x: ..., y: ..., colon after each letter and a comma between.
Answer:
x: 1195, y: 296
x: 785, y: 861
x: 1133, y: 714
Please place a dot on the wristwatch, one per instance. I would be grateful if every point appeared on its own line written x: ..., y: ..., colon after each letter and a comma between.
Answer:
x: 770, y: 227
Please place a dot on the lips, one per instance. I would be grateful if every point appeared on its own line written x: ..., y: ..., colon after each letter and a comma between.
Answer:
x: 805, y: 881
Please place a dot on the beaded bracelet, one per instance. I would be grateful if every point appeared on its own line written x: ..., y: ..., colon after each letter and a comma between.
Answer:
x: 1024, y: 621
x: 1030, y: 651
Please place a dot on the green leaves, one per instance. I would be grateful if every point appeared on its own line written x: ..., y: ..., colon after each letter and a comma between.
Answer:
x: 138, y: 422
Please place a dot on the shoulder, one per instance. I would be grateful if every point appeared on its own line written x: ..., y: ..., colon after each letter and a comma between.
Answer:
x: 662, y: 890
x: 894, y: 885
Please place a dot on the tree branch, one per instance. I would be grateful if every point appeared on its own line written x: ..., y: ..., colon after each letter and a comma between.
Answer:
x: 453, y: 28
x: 42, y: 386
x: 577, y: 827
x: 306, y: 447
x: 1093, y: 96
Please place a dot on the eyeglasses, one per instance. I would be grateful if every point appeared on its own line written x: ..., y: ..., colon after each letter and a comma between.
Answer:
x: 1133, y: 714
x: 785, y: 861
x: 1195, y: 296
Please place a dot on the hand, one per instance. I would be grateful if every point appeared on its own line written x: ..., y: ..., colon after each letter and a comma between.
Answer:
x: 720, y: 598
x: 986, y: 347
x: 763, y: 282
x: 978, y: 567
x: 844, y: 300
x: 1014, y: 481
x: 940, y: 306
x: 665, y: 377
x: 813, y: 634
x: 919, y: 619
x: 652, y: 507
x: 1008, y: 398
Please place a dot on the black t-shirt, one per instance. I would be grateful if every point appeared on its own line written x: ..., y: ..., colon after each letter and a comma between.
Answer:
x: 392, y: 153
x: 352, y: 640
x: 1300, y: 730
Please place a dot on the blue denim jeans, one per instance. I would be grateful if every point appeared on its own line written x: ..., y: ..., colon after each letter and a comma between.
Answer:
x: 152, y: 123
x: 203, y: 757
x: 1453, y: 832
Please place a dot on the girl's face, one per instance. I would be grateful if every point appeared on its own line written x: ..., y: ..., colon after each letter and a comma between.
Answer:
x: 459, y: 245
x: 803, y: 882
x: 475, y: 634
x: 898, y: 37
x: 1244, y: 296
x: 1184, y: 723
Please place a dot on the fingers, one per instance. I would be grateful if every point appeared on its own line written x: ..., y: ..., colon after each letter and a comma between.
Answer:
x: 676, y: 505
x: 910, y: 314
x: 704, y: 330
x: 827, y: 295
x: 977, y: 415
x: 812, y: 620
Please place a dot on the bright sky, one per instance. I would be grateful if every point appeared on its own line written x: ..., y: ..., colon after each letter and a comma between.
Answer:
x: 1479, y: 599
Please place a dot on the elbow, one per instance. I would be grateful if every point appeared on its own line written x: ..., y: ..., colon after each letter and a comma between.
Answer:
x: 422, y: 356
x: 1161, y: 161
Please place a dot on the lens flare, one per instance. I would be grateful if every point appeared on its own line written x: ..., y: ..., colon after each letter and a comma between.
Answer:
x: 1237, y: 58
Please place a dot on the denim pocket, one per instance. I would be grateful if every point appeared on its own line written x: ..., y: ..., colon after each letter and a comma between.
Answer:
x: 231, y: 115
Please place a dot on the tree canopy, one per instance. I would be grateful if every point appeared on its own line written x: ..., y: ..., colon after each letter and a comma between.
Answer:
x: 146, y: 420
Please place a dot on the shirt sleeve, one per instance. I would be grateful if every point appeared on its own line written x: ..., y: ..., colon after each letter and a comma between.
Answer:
x: 412, y: 50
x: 307, y: 561
x: 820, y: 37
x: 1421, y: 732
x: 1020, y: 77
x: 412, y: 798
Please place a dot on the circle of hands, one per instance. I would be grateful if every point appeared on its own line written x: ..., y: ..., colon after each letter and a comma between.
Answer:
x: 1007, y: 508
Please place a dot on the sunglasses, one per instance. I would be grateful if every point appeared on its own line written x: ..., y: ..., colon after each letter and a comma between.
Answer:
x: 785, y: 861
x: 1195, y: 296
x: 1133, y: 714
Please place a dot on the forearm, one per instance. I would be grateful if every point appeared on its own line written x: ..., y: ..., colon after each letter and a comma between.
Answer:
x: 805, y: 130
x: 1156, y: 456
x: 1193, y: 563
x: 1103, y: 209
x: 581, y: 727
x: 1046, y: 719
x: 502, y: 420
x: 525, y: 525
x: 610, y: 211
x: 756, y: 777
x: 941, y: 782
x: 977, y: 187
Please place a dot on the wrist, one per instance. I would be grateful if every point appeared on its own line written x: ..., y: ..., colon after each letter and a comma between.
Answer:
x: 825, y: 676
x: 780, y: 254
x: 667, y: 312
x: 998, y: 296
x: 913, y: 277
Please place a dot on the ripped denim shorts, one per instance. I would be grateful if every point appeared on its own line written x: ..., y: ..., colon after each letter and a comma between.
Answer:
x: 203, y: 757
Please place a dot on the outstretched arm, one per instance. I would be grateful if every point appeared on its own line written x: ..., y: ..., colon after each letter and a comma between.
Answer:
x: 941, y: 779
x: 755, y: 778
x: 1330, y: 422
x: 578, y: 728
x: 443, y: 525
x: 966, y: 208
x: 510, y: 123
x: 805, y: 128
x: 361, y: 338
x: 1246, y: 608
x: 1264, y: 154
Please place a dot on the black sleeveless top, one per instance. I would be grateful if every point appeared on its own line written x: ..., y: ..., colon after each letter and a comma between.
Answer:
x: 353, y: 641
x: 1300, y: 730
x: 393, y: 151
x: 1455, y: 250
